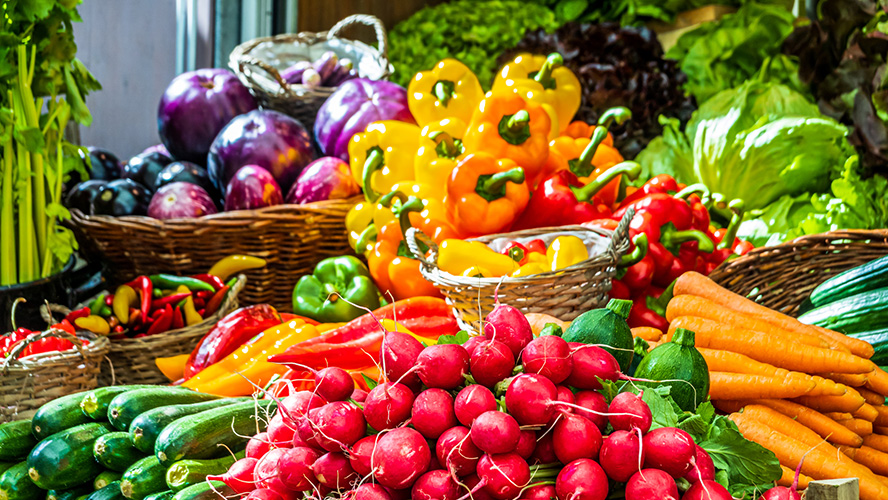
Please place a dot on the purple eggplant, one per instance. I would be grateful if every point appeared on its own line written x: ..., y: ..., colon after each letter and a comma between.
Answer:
x: 311, y: 78
x: 353, y: 106
x: 326, y: 178
x: 157, y: 148
x: 184, y: 171
x: 252, y: 187
x: 293, y: 74
x: 180, y: 200
x: 343, y: 71
x: 195, y: 107
x: 121, y: 197
x: 82, y: 195
x: 269, y: 139
x: 144, y: 168
x: 326, y: 64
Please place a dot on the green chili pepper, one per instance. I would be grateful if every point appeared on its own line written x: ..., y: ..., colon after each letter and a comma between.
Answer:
x: 172, y: 282
x: 96, y: 304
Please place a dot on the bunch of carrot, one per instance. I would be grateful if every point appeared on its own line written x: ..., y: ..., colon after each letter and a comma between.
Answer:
x: 791, y: 387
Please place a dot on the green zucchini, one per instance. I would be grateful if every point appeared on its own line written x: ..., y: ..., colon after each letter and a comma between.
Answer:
x: 858, y: 313
x: 606, y: 327
x: 16, y: 485
x: 110, y: 492
x: 95, y: 403
x: 116, y: 452
x: 72, y: 494
x: 163, y: 495
x: 57, y: 415
x: 184, y: 473
x: 16, y: 440
x: 869, y: 276
x: 207, y: 490
x: 879, y: 340
x: 681, y: 367
x: 105, y: 478
x: 65, y: 460
x: 143, y: 431
x: 5, y: 466
x: 145, y: 477
x: 124, y: 408
x: 207, y: 434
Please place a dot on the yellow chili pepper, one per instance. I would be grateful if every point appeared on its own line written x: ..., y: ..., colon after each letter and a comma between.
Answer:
x: 531, y: 268
x: 93, y: 323
x: 234, y: 264
x: 173, y: 367
x: 383, y: 156
x: 566, y: 251
x: 545, y: 80
x: 458, y: 256
x: 449, y: 90
x: 440, y: 148
x: 191, y: 316
x: 124, y: 298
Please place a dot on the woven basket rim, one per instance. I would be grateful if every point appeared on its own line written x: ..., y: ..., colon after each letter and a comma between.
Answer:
x: 98, y: 346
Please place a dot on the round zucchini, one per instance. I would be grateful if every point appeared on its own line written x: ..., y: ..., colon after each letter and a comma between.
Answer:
x: 682, y: 365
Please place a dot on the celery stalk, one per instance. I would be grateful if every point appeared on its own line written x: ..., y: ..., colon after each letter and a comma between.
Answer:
x: 7, y: 223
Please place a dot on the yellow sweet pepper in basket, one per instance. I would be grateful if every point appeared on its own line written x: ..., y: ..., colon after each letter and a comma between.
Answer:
x: 544, y: 80
x: 440, y: 148
x: 383, y: 156
x: 449, y: 90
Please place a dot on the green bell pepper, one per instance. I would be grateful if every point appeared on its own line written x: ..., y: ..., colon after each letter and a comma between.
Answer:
x: 335, y: 290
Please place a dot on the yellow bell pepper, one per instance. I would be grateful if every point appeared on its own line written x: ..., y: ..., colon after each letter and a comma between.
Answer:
x: 247, y: 368
x: 383, y: 156
x: 440, y: 148
x: 458, y: 257
x: 565, y: 251
x: 536, y: 263
x: 543, y: 79
x: 449, y: 90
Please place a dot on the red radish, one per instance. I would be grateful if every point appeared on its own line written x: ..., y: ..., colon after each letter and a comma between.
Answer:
x: 359, y: 455
x: 597, y: 407
x: 703, y: 467
x: 306, y: 430
x: 371, y: 491
x: 707, y: 490
x: 508, y: 325
x: 398, y: 354
x: 239, y: 476
x: 358, y: 395
x: 435, y: 485
x: 564, y: 394
x: 648, y: 484
x: 581, y: 479
x: 337, y: 425
x: 539, y: 492
x: 299, y: 442
x: 473, y: 343
x: 433, y: 413
x: 280, y: 433
x: 495, y: 432
x: 388, y: 405
x: 294, y: 468
x: 433, y: 461
x: 544, y: 453
x: 529, y: 399
x: 548, y: 356
x: 527, y: 441
x: 492, y: 362
x: 670, y: 450
x: 334, y: 383
x: 400, y: 456
x: 576, y: 437
x: 503, y: 476
x: 263, y: 494
x: 470, y: 484
x: 781, y: 493
x: 472, y: 401
x: 295, y: 406
x: 621, y: 455
x: 267, y: 473
x: 628, y: 411
x: 456, y: 451
x: 590, y: 362
x: 403, y: 494
x: 442, y: 366
x: 333, y: 471
x: 258, y: 446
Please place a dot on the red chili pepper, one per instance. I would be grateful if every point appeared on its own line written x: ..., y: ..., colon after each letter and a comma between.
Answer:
x: 663, y: 184
x: 211, y: 279
x: 79, y: 313
x: 162, y: 322
x: 135, y: 316
x: 66, y: 326
x: 536, y: 246
x: 118, y: 329
x: 204, y: 295
x: 109, y: 299
x: 726, y: 240
x: 202, y: 313
x: 350, y: 355
x: 143, y: 285
x: 178, y: 320
x: 169, y: 299
x: 642, y: 315
x: 199, y: 303
x: 216, y: 302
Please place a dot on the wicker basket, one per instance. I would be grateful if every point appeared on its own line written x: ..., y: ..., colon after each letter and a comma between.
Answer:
x: 258, y: 64
x: 26, y: 384
x: 564, y: 294
x: 781, y: 277
x: 292, y: 238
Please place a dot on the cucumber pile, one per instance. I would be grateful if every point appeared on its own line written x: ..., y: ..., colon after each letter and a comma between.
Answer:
x: 126, y: 442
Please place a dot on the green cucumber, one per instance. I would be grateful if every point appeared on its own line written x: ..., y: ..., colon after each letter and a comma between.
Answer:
x: 163, y: 495
x: 95, y: 403
x: 879, y: 340
x: 124, y: 408
x: 116, y: 452
x: 57, y: 415
x: 858, y: 313
x: 606, y: 327
x: 145, y: 477
x: 208, y: 434
x: 105, y: 478
x: 143, y: 431
x: 16, y: 485
x: 110, y: 492
x: 682, y: 365
x: 207, y: 490
x: 184, y: 473
x: 72, y: 494
x: 16, y: 440
x: 65, y: 460
x: 869, y: 276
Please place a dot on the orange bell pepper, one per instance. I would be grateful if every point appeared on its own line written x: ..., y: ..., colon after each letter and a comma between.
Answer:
x: 582, y: 130
x: 507, y: 125
x: 485, y: 195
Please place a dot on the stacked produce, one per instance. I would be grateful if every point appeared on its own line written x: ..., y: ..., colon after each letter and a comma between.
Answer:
x: 326, y: 71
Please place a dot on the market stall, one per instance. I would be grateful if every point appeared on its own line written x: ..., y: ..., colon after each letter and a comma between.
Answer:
x: 554, y: 263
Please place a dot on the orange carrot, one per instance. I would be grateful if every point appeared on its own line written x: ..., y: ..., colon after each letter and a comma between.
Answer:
x: 871, y: 397
x: 849, y: 402
x: 877, y: 441
x: 817, y: 422
x: 734, y: 406
x: 783, y: 424
x: 726, y: 361
x: 788, y: 478
x: 849, y: 379
x: 691, y: 305
x: 724, y: 385
x: 817, y: 464
x: 647, y: 333
x: 769, y: 349
x: 875, y: 460
x: 877, y: 381
x: 692, y: 283
x: 881, y: 430
x: 860, y: 427
x: 869, y: 413
x: 882, y: 416
x: 837, y: 415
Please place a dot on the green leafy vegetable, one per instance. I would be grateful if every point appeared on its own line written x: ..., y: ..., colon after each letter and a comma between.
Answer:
x: 460, y: 338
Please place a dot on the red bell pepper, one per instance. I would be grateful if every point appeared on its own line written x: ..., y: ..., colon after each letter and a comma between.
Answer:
x: 648, y: 309
x: 619, y: 290
x: 661, y: 184
x: 78, y: 313
x: 637, y: 268
x: 727, y: 243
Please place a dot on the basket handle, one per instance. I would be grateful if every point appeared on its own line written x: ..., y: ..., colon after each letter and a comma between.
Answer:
x: 368, y: 20
x: 414, y: 237
x: 246, y: 60
x: 52, y: 332
x: 621, y: 232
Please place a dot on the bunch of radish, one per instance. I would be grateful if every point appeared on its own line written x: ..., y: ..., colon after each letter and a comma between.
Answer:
x: 436, y: 430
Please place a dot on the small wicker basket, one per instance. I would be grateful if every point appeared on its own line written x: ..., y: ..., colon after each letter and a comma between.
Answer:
x: 258, y: 63
x: 564, y: 294
x: 291, y: 238
x: 26, y: 384
x: 781, y: 277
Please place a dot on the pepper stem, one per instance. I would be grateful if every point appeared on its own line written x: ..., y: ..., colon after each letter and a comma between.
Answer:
x: 332, y: 292
x: 621, y: 307
x: 515, y: 129
x: 639, y: 252
x: 20, y: 300
x: 659, y: 304
x: 737, y: 207
x: 617, y: 115
x: 672, y: 239
x: 698, y: 188
x: 413, y: 204
x: 544, y: 75
x: 445, y: 145
x: 683, y: 336
x: 629, y: 168
x: 443, y: 91
x: 367, y: 235
x: 375, y: 160
x: 389, y: 199
x: 493, y: 187
x: 582, y: 166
